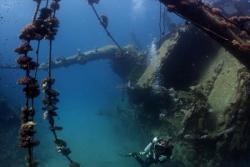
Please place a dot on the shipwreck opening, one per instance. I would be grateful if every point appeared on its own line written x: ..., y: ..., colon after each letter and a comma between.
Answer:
x: 189, y: 57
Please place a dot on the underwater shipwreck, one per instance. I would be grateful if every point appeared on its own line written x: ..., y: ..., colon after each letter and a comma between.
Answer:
x: 195, y: 90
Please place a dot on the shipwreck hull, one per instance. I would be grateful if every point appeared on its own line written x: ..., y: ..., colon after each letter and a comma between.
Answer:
x: 196, y: 91
x: 210, y: 120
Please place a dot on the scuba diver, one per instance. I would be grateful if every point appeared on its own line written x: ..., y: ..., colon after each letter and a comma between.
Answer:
x: 157, y: 151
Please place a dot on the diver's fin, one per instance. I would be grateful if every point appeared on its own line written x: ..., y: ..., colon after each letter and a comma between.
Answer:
x: 125, y: 155
x: 131, y: 154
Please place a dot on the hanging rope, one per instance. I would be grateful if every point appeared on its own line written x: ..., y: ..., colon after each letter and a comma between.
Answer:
x: 31, y: 89
x: 47, y: 4
x: 43, y: 26
x: 104, y: 23
x: 37, y: 56
x: 37, y: 9
x: 164, y: 24
x: 50, y: 95
x: 160, y: 19
x: 50, y: 58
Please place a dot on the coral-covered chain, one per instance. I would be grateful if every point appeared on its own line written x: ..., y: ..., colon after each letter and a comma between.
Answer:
x: 31, y: 88
x: 43, y: 26
x: 104, y: 22
x: 50, y: 95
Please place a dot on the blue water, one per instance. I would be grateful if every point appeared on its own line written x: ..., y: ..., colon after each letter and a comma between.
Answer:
x: 95, y: 140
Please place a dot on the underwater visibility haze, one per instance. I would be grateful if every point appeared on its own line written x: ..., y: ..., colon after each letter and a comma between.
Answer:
x: 125, y: 83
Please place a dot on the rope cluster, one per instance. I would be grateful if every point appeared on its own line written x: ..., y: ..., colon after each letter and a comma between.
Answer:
x: 31, y: 88
x: 44, y: 26
x: 51, y: 95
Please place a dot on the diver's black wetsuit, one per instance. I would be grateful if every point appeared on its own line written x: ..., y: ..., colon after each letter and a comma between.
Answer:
x: 154, y: 157
x: 145, y: 163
